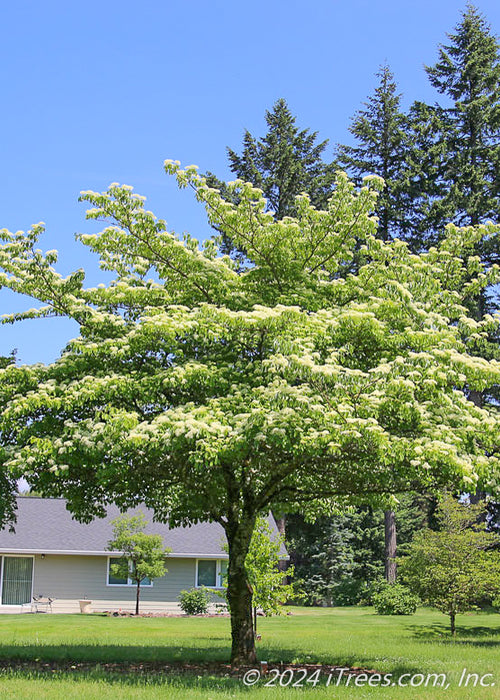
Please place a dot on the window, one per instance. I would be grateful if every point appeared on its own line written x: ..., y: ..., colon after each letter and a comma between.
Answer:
x: 16, y: 580
x: 117, y: 581
x: 222, y: 572
x: 211, y: 572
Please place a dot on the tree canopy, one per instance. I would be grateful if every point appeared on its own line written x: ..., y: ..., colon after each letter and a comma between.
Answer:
x: 211, y: 395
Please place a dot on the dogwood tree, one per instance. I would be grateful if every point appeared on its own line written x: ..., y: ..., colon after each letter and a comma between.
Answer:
x: 209, y: 394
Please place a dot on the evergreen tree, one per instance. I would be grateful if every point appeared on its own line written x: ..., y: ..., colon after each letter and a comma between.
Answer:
x: 458, y: 180
x: 339, y: 558
x: 10, y: 359
x: 453, y: 171
x: 284, y: 163
x: 380, y: 130
x: 380, y: 133
x: 425, y: 177
x: 454, y: 163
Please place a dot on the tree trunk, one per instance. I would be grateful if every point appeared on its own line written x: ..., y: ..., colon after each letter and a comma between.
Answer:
x: 452, y: 624
x: 390, y: 546
x: 137, y: 596
x: 281, y: 525
x: 239, y: 595
x: 477, y: 399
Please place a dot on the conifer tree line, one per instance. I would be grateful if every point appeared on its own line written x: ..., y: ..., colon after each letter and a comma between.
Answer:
x: 441, y: 165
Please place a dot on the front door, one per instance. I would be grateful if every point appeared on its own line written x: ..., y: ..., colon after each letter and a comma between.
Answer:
x: 17, y: 580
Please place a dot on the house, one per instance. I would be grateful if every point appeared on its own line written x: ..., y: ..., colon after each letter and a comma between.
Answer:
x: 51, y: 554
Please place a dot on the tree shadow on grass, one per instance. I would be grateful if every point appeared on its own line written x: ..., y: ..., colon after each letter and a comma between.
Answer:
x: 465, y: 635
x: 212, y: 652
x: 163, y: 654
x: 184, y: 681
x: 99, y: 653
x: 185, y: 667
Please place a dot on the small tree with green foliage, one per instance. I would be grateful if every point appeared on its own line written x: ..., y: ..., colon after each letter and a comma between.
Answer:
x: 270, y: 590
x: 143, y: 555
x: 266, y: 579
x: 452, y: 569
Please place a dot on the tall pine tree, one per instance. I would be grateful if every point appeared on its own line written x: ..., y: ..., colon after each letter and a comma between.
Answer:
x: 454, y: 166
x: 284, y: 163
x: 456, y: 161
x: 337, y: 559
x: 425, y: 176
x: 380, y: 133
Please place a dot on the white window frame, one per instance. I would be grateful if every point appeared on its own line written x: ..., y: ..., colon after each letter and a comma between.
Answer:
x: 130, y: 583
x: 25, y: 556
x: 218, y: 573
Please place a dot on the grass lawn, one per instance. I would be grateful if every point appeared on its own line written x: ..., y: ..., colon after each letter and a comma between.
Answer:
x: 350, y: 636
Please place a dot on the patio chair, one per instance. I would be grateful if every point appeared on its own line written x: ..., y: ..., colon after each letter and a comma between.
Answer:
x: 41, y: 603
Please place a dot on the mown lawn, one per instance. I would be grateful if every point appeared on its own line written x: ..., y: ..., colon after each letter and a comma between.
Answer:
x: 340, y: 636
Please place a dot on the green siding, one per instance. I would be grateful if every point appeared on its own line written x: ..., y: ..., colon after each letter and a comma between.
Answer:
x: 64, y: 577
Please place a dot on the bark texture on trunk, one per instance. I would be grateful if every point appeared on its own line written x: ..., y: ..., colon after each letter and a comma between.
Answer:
x: 390, y: 546
x: 281, y: 525
x: 452, y: 624
x: 239, y: 597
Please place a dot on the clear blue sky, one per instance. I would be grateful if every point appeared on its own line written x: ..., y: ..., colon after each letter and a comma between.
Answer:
x: 98, y: 92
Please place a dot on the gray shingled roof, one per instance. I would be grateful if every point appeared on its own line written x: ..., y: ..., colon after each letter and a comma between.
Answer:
x: 45, y: 525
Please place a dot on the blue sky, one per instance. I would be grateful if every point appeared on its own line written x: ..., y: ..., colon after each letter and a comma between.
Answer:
x: 100, y: 92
